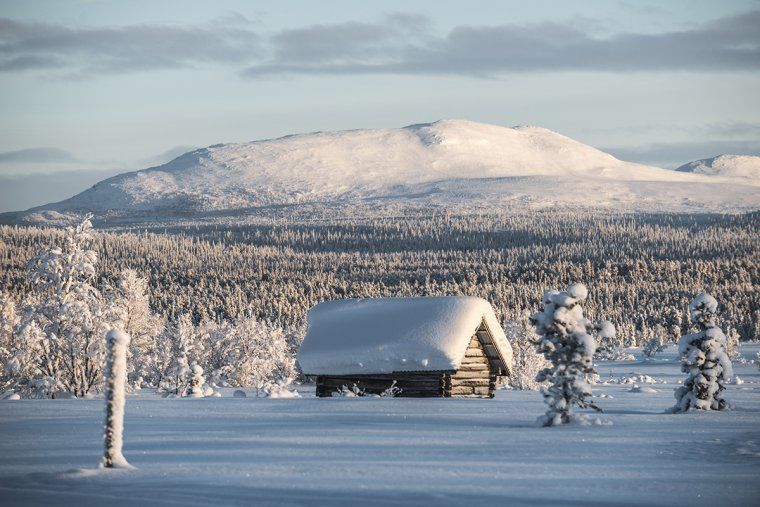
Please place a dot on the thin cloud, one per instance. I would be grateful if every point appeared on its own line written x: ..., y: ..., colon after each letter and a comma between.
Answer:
x: 404, y: 44
x: 726, y: 44
x: 19, y: 192
x: 43, y: 155
x: 45, y: 46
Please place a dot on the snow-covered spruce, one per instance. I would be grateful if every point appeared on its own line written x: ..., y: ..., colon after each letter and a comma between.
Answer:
x: 566, y: 340
x: 195, y: 389
x: 652, y: 347
x: 115, y: 385
x: 606, y: 348
x: 704, y: 359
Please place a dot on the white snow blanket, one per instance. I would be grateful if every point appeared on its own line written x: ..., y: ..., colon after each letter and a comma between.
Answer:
x: 384, y: 335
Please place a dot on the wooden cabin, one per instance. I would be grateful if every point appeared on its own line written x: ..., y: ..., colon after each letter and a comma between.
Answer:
x: 429, y: 346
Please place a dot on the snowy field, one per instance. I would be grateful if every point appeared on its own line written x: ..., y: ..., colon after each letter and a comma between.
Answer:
x: 376, y: 451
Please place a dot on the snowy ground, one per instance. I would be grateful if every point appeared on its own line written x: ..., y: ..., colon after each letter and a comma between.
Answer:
x: 373, y: 451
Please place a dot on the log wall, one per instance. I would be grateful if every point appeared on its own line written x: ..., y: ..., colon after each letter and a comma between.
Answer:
x: 476, y: 378
x: 412, y: 384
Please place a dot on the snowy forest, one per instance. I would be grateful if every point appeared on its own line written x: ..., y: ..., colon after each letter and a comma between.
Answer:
x: 227, y: 306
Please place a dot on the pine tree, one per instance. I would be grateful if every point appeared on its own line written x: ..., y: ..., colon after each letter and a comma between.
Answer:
x: 704, y: 360
x: 131, y: 312
x: 566, y: 340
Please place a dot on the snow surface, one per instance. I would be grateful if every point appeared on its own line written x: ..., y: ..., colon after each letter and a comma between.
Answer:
x: 382, y: 335
x: 456, y: 164
x: 391, y: 451
x: 732, y: 166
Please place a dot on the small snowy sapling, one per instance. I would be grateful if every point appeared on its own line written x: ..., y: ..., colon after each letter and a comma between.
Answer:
x: 654, y: 346
x: 195, y: 387
x: 704, y: 359
x: 566, y: 340
x: 115, y: 385
x: 606, y: 347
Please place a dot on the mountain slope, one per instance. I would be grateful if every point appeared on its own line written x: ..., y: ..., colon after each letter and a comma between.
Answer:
x: 731, y: 166
x: 453, y: 164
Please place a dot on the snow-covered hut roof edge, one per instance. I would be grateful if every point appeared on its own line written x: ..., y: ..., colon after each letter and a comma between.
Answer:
x: 384, y: 335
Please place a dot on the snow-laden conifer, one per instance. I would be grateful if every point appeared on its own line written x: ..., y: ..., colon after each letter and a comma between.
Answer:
x: 704, y: 360
x: 195, y: 387
x: 115, y: 385
x: 606, y: 348
x: 566, y: 340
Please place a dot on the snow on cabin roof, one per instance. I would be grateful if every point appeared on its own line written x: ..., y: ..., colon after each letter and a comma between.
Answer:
x: 384, y: 335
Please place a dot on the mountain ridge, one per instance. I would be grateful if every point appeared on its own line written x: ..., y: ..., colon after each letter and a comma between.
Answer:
x: 444, y: 163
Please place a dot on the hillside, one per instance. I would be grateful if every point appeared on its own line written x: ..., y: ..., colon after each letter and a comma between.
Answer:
x: 455, y: 165
x: 746, y: 167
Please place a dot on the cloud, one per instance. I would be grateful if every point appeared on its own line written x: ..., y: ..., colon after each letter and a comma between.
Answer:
x: 33, y: 45
x: 679, y: 153
x: 733, y: 129
x: 42, y: 155
x: 395, y: 44
x: 19, y: 192
x: 731, y: 43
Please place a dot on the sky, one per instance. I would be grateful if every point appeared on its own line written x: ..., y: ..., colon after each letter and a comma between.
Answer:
x: 89, y: 89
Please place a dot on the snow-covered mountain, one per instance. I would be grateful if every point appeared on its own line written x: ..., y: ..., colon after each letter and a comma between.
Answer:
x: 731, y: 166
x: 456, y: 165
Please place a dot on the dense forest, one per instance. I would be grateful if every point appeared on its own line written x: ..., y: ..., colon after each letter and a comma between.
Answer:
x: 641, y: 270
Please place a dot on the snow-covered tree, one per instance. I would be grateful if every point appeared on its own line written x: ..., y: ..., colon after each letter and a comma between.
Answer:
x: 704, y: 360
x: 527, y: 361
x: 20, y: 339
x: 566, y: 340
x: 131, y: 312
x: 732, y: 344
x: 69, y: 311
x: 185, y: 348
x: 656, y: 344
x: 653, y: 346
x: 265, y: 361
x: 606, y: 348
x: 117, y: 343
x: 195, y: 385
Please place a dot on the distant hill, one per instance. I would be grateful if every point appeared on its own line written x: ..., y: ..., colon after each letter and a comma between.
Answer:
x: 730, y: 166
x: 452, y: 165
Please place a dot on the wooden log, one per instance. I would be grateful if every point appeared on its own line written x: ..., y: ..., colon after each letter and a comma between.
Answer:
x: 470, y: 383
x: 480, y: 370
x: 474, y: 361
x: 455, y: 390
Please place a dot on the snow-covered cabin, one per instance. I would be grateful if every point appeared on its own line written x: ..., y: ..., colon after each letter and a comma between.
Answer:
x: 431, y: 346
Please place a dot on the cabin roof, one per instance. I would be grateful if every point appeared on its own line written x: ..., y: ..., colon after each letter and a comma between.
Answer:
x: 384, y: 335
